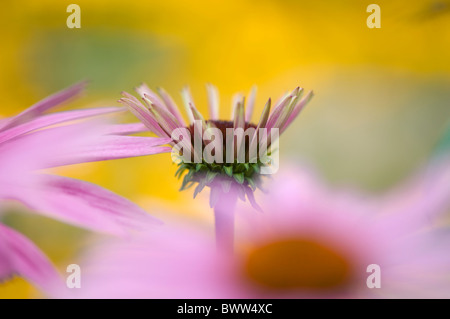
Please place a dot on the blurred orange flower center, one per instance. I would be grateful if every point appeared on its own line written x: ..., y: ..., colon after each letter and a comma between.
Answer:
x: 295, y: 264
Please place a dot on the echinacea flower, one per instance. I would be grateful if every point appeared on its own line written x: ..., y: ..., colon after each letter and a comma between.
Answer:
x: 215, y: 153
x: 28, y: 144
x: 312, y: 242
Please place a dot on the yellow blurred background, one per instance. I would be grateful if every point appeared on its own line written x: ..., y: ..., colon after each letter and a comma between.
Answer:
x: 381, y: 105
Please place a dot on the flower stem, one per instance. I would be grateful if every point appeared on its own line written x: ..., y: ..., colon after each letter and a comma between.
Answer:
x: 224, y: 222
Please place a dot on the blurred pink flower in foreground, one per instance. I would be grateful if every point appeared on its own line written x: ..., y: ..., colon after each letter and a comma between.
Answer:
x: 26, y: 146
x: 311, y: 242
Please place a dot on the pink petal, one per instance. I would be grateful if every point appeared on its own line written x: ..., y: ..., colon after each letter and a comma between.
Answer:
x: 288, y: 109
x: 234, y: 103
x: 250, y: 104
x: 84, y: 204
x: 143, y: 114
x: 165, y: 119
x: 18, y: 255
x: 126, y: 129
x: 52, y: 119
x: 253, y: 149
x: 169, y: 110
x: 239, y: 122
x: 297, y: 109
x: 188, y: 101
x: 278, y: 111
x: 144, y: 90
x: 213, y: 101
x: 114, y: 147
x: 44, y: 105
x: 252, y: 200
x: 172, y: 106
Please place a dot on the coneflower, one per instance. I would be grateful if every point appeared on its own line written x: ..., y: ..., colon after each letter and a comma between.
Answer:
x: 30, y: 142
x: 321, y: 242
x: 228, y: 156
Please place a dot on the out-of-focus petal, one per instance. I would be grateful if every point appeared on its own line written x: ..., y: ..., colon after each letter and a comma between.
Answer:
x: 24, y: 154
x: 126, y: 264
x: 113, y: 147
x: 44, y: 105
x: 83, y: 204
x: 52, y: 119
x: 297, y: 109
x: 278, y: 111
x: 144, y: 90
x: 70, y: 200
x: 420, y: 200
x: 19, y: 256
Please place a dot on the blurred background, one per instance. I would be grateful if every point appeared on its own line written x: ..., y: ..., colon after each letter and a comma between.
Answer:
x: 381, y: 104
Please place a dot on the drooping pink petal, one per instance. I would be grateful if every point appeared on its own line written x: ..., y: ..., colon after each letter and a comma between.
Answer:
x: 297, y: 109
x: 83, y: 204
x: 199, y: 131
x: 172, y: 106
x: 250, y: 104
x: 19, y: 256
x: 166, y: 119
x: 261, y: 124
x: 284, y: 116
x: 213, y: 101
x: 126, y: 129
x: 236, y: 98
x: 188, y: 101
x: 144, y: 90
x: 282, y: 98
x: 265, y: 114
x: 166, y: 107
x: 197, y: 115
x: 288, y: 109
x: 278, y: 111
x: 239, y: 123
x: 52, y: 119
x: 143, y: 114
x: 30, y: 152
x: 44, y: 105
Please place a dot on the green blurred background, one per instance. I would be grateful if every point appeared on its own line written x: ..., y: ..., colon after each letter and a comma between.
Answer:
x: 381, y: 105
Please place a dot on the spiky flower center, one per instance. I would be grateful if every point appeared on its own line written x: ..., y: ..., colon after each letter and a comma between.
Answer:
x: 245, y: 173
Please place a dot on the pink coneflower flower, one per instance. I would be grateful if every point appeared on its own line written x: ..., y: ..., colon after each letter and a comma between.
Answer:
x: 26, y: 146
x: 220, y: 154
x: 312, y: 242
